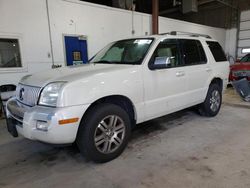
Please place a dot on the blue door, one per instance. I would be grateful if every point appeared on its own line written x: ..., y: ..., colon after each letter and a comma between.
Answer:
x: 76, y: 50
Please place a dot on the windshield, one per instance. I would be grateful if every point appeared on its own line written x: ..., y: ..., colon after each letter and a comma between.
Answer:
x: 245, y: 58
x: 131, y: 51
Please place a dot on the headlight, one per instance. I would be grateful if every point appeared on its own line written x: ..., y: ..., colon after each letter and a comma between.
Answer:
x: 50, y: 94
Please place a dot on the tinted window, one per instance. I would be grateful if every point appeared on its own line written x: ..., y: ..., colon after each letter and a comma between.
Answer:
x: 193, y: 52
x: 169, y: 49
x: 9, y: 53
x: 245, y: 58
x: 217, y: 51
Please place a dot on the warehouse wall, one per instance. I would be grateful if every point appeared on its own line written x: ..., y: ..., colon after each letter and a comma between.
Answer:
x: 244, y: 33
x: 236, y: 40
x: 27, y: 19
x: 104, y: 24
x: 231, y: 42
x: 167, y: 24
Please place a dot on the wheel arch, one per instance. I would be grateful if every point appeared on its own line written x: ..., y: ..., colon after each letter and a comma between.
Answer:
x: 120, y: 100
x: 217, y: 80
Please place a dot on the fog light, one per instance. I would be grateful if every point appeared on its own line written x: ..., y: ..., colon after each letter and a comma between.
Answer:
x: 42, y: 125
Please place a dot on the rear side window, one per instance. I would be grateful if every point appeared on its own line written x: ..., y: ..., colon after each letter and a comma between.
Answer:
x: 217, y: 51
x: 193, y: 52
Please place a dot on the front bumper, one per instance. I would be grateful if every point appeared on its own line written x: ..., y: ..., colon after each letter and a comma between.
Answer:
x: 24, y: 119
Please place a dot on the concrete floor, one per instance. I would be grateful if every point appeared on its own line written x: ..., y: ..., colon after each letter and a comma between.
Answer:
x: 179, y: 150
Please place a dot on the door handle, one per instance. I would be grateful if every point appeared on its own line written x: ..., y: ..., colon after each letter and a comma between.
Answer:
x: 208, y: 69
x: 180, y: 73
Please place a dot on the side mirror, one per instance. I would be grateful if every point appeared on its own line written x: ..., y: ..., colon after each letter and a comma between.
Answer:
x: 161, y: 63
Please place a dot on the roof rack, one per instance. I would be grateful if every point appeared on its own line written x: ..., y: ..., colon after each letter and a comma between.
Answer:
x: 186, y: 33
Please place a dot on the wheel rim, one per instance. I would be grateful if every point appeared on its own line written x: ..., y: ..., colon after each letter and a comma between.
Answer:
x: 215, y: 100
x: 109, y: 134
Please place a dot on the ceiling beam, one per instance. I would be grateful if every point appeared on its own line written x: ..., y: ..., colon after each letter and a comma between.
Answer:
x: 202, y: 2
x: 169, y: 11
x: 224, y: 2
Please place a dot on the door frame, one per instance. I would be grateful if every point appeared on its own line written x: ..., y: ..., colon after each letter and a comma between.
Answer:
x: 85, y: 37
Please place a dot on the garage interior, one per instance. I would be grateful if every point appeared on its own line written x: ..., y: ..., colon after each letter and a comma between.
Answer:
x: 181, y: 149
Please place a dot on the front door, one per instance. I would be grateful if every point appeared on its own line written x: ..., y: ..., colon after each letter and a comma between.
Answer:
x: 165, y: 89
x: 76, y: 50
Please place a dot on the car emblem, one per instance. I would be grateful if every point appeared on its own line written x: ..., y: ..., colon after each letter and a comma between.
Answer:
x: 21, y: 93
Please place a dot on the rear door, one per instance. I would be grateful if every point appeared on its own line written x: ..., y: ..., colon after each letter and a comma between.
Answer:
x: 197, y: 70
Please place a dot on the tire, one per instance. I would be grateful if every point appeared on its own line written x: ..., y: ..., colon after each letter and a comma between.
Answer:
x: 211, y: 106
x: 97, y: 139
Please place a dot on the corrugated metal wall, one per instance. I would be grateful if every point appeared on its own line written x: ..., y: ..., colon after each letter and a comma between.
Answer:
x: 244, y: 33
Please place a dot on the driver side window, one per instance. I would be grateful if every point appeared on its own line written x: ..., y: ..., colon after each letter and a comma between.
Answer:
x: 168, y: 49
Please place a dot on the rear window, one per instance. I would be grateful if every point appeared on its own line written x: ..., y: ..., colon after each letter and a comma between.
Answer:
x: 217, y: 51
x: 245, y: 58
x: 193, y: 52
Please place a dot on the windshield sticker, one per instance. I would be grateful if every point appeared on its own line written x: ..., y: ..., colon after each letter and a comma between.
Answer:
x: 142, y: 41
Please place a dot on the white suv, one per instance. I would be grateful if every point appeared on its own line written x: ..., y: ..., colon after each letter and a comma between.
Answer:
x: 128, y: 82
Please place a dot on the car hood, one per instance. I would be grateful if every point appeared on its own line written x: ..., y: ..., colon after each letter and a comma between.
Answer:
x: 71, y: 73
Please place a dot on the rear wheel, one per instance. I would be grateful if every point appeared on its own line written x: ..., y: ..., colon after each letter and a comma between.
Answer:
x: 211, y: 106
x: 104, y: 132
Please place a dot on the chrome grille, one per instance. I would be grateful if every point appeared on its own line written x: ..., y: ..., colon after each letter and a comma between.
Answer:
x: 27, y: 94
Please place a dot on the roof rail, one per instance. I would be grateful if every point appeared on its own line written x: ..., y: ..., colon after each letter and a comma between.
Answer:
x: 186, y: 33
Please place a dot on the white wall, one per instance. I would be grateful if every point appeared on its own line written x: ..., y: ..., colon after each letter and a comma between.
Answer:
x: 100, y: 24
x: 27, y: 19
x: 104, y: 24
x: 231, y: 42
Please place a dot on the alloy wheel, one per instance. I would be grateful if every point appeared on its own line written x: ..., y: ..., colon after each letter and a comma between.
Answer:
x: 215, y: 101
x: 109, y: 134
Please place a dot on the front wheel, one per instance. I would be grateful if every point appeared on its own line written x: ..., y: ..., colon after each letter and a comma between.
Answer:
x: 211, y: 106
x: 104, y: 132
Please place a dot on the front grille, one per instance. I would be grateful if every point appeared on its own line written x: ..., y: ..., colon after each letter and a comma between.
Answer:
x: 241, y: 73
x: 27, y: 94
